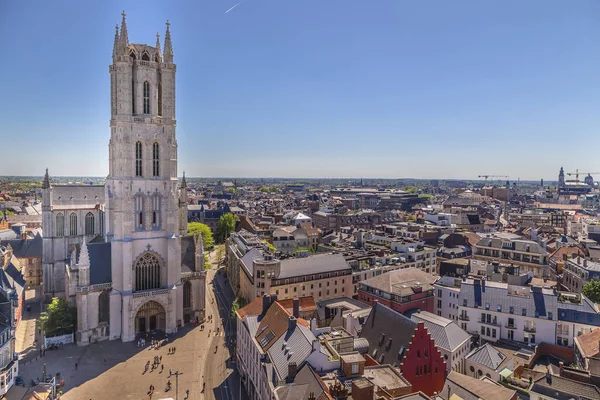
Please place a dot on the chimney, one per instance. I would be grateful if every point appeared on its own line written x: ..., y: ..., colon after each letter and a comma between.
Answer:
x: 584, y: 263
x: 291, y: 324
x: 273, y: 298
x: 561, y: 366
x: 296, y: 312
x: 292, y: 368
x: 266, y: 303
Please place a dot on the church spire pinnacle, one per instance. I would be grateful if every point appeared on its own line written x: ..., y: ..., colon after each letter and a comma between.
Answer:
x: 183, y: 181
x: 46, y: 183
x: 84, y: 257
x: 158, y: 44
x: 116, y: 43
x: 168, y: 53
x: 124, y: 38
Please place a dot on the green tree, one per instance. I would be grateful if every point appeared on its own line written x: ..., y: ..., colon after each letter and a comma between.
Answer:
x: 198, y: 228
x: 59, y: 319
x: 410, y: 189
x: 225, y: 226
x: 238, y: 303
x: 592, y: 290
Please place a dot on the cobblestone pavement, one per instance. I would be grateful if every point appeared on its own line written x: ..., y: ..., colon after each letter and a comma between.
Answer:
x: 122, y: 376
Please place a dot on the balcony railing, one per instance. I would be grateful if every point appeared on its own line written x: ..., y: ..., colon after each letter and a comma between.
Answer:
x: 149, y: 293
x: 483, y: 321
x: 529, y: 328
x: 510, y: 326
x: 463, y: 317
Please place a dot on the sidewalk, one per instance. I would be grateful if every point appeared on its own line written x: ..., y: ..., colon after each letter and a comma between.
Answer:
x: 27, y: 339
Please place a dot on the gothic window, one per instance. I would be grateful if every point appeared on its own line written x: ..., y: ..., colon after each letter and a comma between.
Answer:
x: 101, y: 219
x: 156, y: 211
x: 146, y: 97
x: 138, y: 201
x: 89, y: 224
x: 159, y: 97
x: 60, y: 224
x: 145, y: 56
x: 73, y: 224
x: 147, y: 272
x: 187, y: 294
x: 155, y: 163
x: 138, y: 158
x: 103, y: 307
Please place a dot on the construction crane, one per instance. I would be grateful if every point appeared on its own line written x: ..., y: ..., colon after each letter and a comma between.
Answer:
x: 576, y: 173
x: 492, y: 176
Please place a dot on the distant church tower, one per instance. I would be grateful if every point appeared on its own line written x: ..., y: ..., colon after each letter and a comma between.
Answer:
x: 561, y: 177
x: 141, y: 190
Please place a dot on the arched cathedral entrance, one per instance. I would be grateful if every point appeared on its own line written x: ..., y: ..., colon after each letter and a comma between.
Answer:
x: 150, y: 317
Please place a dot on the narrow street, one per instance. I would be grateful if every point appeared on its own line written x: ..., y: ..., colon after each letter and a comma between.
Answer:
x: 221, y: 376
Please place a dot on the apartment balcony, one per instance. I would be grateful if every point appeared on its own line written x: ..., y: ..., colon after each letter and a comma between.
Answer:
x: 493, y: 323
x: 463, y: 317
x: 510, y: 326
x: 529, y: 328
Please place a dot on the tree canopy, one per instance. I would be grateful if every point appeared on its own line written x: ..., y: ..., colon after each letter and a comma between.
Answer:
x: 225, y: 226
x: 198, y: 228
x: 59, y: 319
x: 592, y: 290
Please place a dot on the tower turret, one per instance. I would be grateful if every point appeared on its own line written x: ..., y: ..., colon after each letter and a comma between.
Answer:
x: 116, y: 42
x: 124, y: 37
x: 46, y: 183
x: 168, y: 45
x: 183, y: 211
x: 84, y: 265
x: 158, y: 56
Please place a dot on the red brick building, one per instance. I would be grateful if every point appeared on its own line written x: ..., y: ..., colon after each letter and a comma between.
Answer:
x: 402, y: 290
x: 403, y: 343
x: 423, y: 365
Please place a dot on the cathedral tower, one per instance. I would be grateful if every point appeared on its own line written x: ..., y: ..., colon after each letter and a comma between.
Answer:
x: 142, y: 195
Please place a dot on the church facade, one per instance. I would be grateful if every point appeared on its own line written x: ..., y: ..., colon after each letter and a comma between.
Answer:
x: 120, y: 252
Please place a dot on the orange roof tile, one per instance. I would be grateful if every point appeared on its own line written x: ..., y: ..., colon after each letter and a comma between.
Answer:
x: 589, y: 343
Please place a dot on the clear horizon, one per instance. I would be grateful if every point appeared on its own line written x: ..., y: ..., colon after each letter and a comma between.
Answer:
x: 311, y: 90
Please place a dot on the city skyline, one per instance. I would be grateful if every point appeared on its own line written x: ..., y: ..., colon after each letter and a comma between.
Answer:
x: 317, y: 90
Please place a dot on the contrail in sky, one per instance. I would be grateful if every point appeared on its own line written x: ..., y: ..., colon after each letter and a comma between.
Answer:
x: 234, y: 6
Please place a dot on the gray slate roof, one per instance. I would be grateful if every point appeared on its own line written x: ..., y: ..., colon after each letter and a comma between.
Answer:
x: 487, y: 356
x: 100, y: 263
x: 316, y: 264
x: 566, y: 389
x: 299, y: 341
x: 26, y: 248
x: 392, y: 324
x: 304, y: 383
x: 444, y: 332
x: 188, y: 254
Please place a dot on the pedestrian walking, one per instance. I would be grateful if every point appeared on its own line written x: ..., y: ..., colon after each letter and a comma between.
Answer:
x: 104, y: 360
x: 160, y: 359
x: 162, y: 367
x: 75, y: 365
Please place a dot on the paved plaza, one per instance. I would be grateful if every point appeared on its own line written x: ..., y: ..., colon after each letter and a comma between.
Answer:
x: 87, y: 376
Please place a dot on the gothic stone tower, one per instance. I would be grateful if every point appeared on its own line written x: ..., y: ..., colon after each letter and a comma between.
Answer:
x: 141, y: 191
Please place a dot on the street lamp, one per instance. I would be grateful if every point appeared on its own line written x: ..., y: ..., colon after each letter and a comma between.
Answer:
x: 176, y: 373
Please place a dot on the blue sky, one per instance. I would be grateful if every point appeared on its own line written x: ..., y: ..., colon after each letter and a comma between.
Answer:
x: 316, y: 88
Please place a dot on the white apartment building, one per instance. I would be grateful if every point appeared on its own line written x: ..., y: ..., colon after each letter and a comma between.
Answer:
x: 526, y: 254
x: 524, y: 314
x: 447, y: 292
